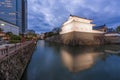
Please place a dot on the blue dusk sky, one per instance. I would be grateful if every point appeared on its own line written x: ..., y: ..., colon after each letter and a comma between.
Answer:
x: 44, y: 15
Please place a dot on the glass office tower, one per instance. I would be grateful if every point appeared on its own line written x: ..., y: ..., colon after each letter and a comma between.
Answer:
x: 15, y: 12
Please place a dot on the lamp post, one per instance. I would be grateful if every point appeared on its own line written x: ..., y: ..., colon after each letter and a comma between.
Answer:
x: 1, y: 24
x: 1, y: 30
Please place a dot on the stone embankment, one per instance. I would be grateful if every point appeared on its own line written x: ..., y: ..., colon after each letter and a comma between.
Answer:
x: 78, y: 38
x: 112, y: 39
x: 14, y: 59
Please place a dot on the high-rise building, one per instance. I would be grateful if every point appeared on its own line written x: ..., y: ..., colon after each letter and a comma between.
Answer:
x: 15, y: 12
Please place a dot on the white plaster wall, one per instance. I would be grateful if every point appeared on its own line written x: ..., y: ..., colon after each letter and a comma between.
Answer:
x: 67, y: 28
x: 95, y: 31
x: 67, y: 22
x: 80, y: 19
x: 82, y: 27
x: 79, y: 25
x: 76, y: 26
x: 112, y: 34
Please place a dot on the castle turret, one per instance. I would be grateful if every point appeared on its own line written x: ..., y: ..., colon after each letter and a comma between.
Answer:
x: 78, y: 24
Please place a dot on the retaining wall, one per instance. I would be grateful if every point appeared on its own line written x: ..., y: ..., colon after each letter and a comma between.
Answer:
x: 13, y: 64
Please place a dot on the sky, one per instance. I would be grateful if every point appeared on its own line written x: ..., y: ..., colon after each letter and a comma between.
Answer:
x: 44, y: 15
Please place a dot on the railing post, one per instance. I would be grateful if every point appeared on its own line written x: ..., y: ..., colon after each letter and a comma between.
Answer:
x: 7, y: 50
x: 2, y: 51
x: 15, y: 47
x: 21, y: 46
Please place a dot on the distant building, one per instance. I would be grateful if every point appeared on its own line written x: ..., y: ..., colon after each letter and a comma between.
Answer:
x: 102, y: 28
x: 78, y: 24
x: 42, y: 36
x: 111, y: 30
x: 9, y: 27
x: 15, y: 12
x: 31, y: 31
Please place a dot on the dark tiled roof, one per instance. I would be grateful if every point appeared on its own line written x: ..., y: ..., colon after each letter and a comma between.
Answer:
x: 99, y: 27
x: 80, y: 17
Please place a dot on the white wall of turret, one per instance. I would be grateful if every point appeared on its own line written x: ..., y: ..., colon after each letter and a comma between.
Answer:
x: 78, y: 24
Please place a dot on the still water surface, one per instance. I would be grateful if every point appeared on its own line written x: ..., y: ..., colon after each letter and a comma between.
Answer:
x: 57, y: 62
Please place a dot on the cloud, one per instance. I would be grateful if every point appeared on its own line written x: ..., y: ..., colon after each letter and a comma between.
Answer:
x: 44, y: 15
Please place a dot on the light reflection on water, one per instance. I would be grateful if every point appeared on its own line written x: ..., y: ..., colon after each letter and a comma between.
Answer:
x: 81, y: 58
x: 80, y: 61
x: 57, y: 62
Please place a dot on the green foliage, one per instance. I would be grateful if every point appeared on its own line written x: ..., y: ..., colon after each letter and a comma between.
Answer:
x: 13, y: 38
x: 118, y: 29
x: 30, y: 36
x: 1, y: 30
x: 49, y: 34
x: 56, y: 30
x: 14, y: 41
x: 33, y: 35
x: 9, y: 33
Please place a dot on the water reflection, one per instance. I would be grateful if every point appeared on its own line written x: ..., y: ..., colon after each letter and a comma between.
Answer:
x: 82, y: 58
x: 57, y: 62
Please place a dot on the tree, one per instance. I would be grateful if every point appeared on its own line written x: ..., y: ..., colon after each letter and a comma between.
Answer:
x: 1, y: 30
x: 13, y: 38
x: 118, y: 29
x: 9, y: 33
x: 56, y: 30
x: 31, y: 35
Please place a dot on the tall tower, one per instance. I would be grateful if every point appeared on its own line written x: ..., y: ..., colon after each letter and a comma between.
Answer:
x: 24, y: 16
x: 15, y: 12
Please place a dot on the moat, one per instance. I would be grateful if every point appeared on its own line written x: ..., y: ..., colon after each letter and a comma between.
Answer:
x: 58, y: 62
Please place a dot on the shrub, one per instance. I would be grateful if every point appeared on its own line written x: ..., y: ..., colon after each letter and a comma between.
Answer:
x: 14, y: 41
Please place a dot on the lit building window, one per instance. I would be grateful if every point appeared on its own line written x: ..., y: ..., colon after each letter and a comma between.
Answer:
x: 2, y: 3
x: 2, y: 12
x: 12, y: 14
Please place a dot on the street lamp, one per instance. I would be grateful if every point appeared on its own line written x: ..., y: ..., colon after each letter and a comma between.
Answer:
x: 1, y: 30
x: 2, y: 24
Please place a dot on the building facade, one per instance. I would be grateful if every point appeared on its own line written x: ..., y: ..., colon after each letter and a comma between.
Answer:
x: 8, y: 27
x: 31, y: 31
x: 102, y: 28
x: 78, y: 24
x: 15, y: 12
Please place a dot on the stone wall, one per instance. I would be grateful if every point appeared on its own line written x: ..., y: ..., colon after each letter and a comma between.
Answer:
x: 13, y: 65
x: 78, y: 38
x: 112, y: 39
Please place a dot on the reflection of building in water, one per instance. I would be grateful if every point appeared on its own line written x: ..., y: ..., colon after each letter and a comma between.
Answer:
x: 81, y: 61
